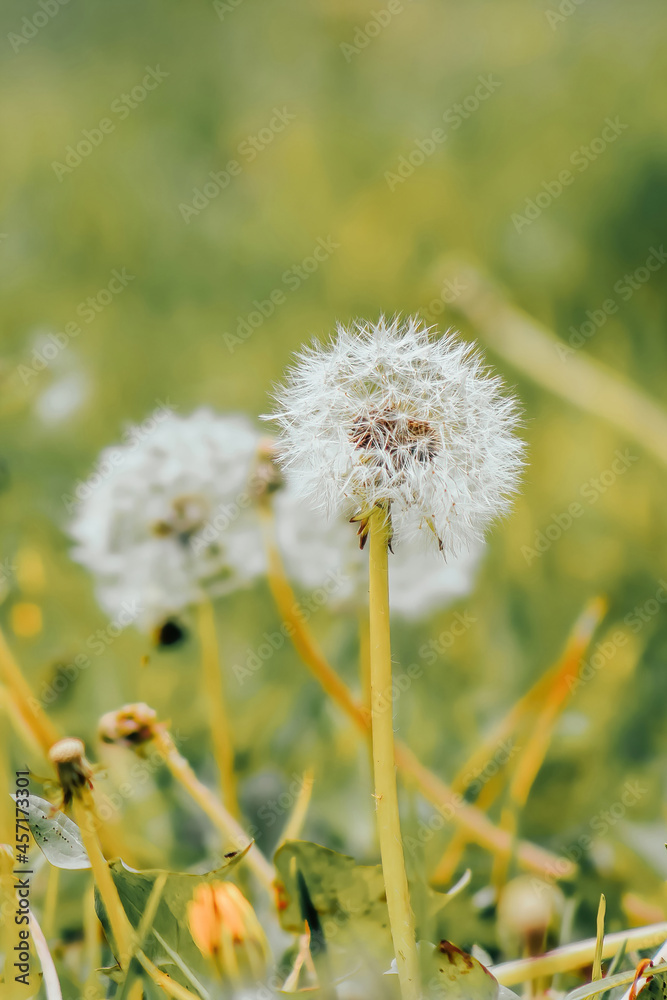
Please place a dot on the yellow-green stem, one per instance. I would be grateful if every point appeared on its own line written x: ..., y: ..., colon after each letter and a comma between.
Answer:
x: 401, y: 918
x: 215, y: 810
x: 577, y: 955
x: 51, y: 902
x: 215, y: 695
x: 92, y: 953
x: 84, y: 815
x: 478, y: 826
x: 29, y: 707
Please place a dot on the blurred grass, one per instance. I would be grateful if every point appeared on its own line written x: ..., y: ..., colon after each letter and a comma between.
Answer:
x: 162, y: 338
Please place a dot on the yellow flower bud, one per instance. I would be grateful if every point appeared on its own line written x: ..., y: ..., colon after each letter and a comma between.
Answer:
x: 226, y: 930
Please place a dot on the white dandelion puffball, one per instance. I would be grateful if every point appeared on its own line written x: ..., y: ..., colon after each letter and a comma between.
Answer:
x: 389, y: 415
x: 322, y: 552
x: 166, y: 520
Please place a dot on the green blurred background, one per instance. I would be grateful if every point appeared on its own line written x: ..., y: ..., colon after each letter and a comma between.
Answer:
x: 171, y: 335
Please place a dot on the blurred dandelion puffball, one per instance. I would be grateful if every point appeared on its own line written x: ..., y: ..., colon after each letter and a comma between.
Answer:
x: 387, y: 415
x: 322, y: 554
x: 167, y: 520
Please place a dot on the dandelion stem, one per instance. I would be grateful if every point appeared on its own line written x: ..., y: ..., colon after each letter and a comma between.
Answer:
x: 91, y: 941
x: 29, y: 707
x: 215, y: 695
x: 51, y: 901
x: 88, y: 823
x: 297, y: 818
x: 215, y: 810
x: 401, y: 917
x: 479, y: 827
x: 577, y: 955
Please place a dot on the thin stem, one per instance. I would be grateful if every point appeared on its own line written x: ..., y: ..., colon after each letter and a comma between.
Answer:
x: 86, y: 820
x: 7, y: 811
x: 169, y: 985
x: 50, y: 901
x: 577, y: 955
x: 301, y: 638
x: 583, y: 381
x: 91, y: 941
x: 479, y: 827
x: 49, y: 974
x: 221, y: 732
x: 556, y: 678
x: 401, y: 917
x: 215, y: 810
x: 29, y: 707
x: 365, y: 661
x: 297, y: 818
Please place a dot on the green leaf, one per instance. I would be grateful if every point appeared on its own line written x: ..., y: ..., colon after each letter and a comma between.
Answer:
x: 452, y: 974
x: 349, y: 900
x: 56, y: 835
x: 171, y: 921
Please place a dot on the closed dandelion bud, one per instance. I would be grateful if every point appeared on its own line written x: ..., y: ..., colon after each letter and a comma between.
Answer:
x: 528, y: 909
x: 132, y: 725
x: 226, y: 930
x: 74, y: 771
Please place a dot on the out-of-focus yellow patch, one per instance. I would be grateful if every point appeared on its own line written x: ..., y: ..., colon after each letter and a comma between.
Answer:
x: 26, y: 619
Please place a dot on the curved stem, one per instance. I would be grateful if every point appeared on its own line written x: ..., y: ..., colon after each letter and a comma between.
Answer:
x: 216, y: 812
x: 479, y: 827
x: 29, y: 707
x: 88, y: 823
x: 215, y: 695
x: 577, y: 955
x: 401, y: 917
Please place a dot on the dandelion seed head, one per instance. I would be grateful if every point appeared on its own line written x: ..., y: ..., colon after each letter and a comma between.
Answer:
x: 164, y: 522
x: 388, y: 414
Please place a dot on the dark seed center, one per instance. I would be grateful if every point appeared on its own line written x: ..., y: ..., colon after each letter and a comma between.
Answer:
x: 390, y: 439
